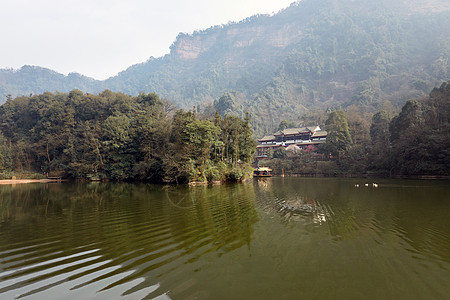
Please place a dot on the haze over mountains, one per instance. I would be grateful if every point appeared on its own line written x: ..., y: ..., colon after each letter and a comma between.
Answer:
x: 313, y: 54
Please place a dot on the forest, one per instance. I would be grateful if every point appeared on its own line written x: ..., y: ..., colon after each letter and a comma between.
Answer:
x: 114, y: 136
x: 414, y: 142
x: 313, y: 55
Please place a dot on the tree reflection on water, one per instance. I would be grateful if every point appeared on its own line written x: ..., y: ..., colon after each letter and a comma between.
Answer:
x: 181, y: 242
x: 133, y: 231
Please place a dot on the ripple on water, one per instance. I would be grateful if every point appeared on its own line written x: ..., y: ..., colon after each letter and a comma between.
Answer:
x: 173, y: 244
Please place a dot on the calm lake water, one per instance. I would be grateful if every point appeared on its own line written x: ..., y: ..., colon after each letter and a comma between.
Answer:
x: 277, y: 238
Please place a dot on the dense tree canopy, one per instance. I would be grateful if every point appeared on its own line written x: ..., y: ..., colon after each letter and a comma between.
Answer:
x: 118, y: 137
x: 416, y: 142
x: 338, y: 138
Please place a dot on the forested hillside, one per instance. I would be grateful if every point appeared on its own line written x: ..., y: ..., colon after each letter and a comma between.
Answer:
x: 314, y: 54
x: 416, y: 142
x: 114, y: 136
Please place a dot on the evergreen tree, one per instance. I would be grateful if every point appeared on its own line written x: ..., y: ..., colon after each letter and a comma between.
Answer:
x: 338, y: 138
x: 380, y: 136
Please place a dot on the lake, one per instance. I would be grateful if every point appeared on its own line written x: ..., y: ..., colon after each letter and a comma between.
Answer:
x: 275, y: 238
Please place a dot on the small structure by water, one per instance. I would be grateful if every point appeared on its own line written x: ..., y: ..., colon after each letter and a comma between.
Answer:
x: 262, y: 172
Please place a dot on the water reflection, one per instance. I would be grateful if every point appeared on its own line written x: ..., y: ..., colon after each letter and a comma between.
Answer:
x: 413, y: 211
x: 115, y: 236
x: 289, y: 201
x: 396, y: 235
x: 272, y: 238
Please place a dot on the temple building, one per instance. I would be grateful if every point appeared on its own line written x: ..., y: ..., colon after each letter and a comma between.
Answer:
x: 301, y: 138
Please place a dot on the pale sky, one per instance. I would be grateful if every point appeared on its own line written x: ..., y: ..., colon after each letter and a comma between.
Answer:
x: 99, y: 38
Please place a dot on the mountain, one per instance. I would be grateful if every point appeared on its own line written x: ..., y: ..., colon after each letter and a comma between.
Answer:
x: 313, y: 54
x: 36, y: 80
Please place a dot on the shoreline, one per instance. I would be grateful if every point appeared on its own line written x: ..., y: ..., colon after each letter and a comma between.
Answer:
x: 418, y: 177
x: 423, y: 177
x: 21, y: 181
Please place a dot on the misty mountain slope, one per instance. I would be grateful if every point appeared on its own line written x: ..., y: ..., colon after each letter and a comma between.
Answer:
x: 202, y: 66
x: 35, y: 80
x: 313, y: 54
x: 363, y: 59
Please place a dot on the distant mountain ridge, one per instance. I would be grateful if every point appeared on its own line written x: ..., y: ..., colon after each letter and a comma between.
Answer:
x: 36, y: 80
x: 315, y: 53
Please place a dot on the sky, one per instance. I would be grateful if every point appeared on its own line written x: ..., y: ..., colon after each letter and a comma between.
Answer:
x: 99, y: 38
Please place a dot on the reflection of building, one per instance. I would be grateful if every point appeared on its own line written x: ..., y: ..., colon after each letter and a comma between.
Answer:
x: 304, y: 138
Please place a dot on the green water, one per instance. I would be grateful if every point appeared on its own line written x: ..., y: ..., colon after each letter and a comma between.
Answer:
x: 276, y: 238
